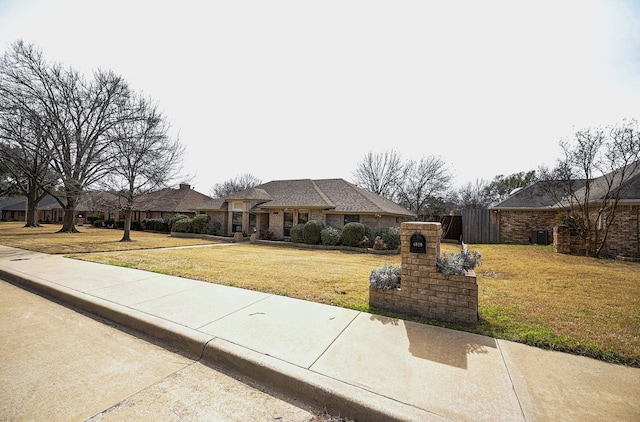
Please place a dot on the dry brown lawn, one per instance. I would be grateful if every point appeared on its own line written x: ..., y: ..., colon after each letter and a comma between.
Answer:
x: 527, y: 293
x: 90, y: 239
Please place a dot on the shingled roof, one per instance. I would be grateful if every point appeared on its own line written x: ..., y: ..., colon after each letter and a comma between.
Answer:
x: 334, y: 195
x: 182, y: 200
x: 548, y: 194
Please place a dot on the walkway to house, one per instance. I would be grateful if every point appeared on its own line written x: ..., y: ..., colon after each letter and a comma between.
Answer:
x: 354, y: 364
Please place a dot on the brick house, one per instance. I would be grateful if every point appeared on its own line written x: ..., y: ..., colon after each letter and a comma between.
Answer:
x: 168, y: 202
x: 529, y: 215
x: 279, y: 205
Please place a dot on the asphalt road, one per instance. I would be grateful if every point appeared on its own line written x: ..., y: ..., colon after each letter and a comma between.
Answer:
x: 59, y: 364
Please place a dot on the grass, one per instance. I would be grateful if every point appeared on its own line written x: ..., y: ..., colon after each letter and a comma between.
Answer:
x: 89, y: 240
x: 527, y: 293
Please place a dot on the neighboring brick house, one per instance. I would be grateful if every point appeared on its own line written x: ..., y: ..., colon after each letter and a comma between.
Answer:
x: 168, y: 202
x: 529, y: 215
x: 279, y: 205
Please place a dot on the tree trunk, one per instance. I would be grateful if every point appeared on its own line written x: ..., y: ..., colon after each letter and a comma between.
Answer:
x: 32, y: 209
x: 69, y: 217
x: 126, y: 237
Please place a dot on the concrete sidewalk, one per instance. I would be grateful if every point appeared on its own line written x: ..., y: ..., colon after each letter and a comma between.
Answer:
x: 354, y: 364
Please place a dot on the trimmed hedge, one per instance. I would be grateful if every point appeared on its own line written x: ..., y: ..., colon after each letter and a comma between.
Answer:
x: 390, y: 236
x: 312, y: 232
x: 297, y: 233
x: 353, y: 234
x: 331, y: 236
x: 183, y: 225
x: 199, y: 222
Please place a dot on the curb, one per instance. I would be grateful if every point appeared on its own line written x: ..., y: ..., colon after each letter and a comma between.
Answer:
x: 334, y: 396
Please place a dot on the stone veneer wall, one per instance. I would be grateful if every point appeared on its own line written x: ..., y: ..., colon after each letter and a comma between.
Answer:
x: 516, y: 226
x: 425, y: 292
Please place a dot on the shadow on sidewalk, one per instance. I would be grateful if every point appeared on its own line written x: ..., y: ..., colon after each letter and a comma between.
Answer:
x: 441, y: 345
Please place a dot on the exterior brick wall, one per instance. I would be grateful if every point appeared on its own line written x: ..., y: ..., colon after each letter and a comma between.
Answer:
x: 516, y: 226
x: 623, y: 238
x: 425, y: 292
x: 624, y: 233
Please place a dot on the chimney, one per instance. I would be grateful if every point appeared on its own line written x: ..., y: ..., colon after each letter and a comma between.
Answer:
x: 185, y: 186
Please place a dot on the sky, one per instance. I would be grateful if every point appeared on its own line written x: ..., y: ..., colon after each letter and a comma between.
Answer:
x: 304, y: 89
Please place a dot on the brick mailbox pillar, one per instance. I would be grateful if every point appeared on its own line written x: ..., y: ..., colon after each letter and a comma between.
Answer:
x: 424, y: 291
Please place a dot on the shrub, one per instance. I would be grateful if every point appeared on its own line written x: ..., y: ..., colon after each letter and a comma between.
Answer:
x: 212, y: 227
x: 312, y: 232
x: 390, y: 237
x: 459, y: 263
x: 93, y: 217
x: 183, y: 225
x: 157, y: 225
x: 120, y: 224
x: 297, y: 233
x: 266, y: 234
x: 379, y: 244
x: 199, y: 222
x: 175, y: 219
x: 387, y: 277
x: 135, y: 225
x: 110, y: 223
x: 331, y: 236
x: 98, y: 222
x: 353, y: 234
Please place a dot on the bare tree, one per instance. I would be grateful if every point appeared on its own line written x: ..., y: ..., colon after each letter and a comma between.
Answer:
x: 75, y: 114
x: 145, y: 157
x: 475, y: 195
x: 21, y: 146
x: 380, y: 173
x: 236, y: 184
x: 592, y: 176
x: 424, y: 186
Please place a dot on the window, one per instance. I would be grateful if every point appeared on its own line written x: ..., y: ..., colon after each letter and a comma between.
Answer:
x: 352, y: 218
x: 288, y: 223
x: 236, y: 222
x: 303, y: 217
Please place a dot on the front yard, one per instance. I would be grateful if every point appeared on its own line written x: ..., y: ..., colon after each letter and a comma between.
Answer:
x: 526, y: 292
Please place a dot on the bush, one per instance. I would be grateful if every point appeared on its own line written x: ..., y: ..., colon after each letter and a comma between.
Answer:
x: 135, y: 225
x: 175, y: 219
x: 459, y: 263
x: 157, y: 225
x: 110, y: 223
x: 387, y: 277
x: 331, y: 236
x: 93, y: 217
x: 98, y: 222
x: 353, y: 234
x: 389, y: 237
x: 183, y: 225
x: 199, y: 222
x: 312, y: 232
x: 297, y: 233
x: 212, y: 227
x: 266, y: 234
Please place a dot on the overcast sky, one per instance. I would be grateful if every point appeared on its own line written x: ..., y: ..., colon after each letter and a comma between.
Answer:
x: 304, y: 89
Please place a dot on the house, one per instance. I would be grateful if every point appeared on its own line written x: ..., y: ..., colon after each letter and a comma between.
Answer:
x: 14, y: 208
x: 529, y: 215
x: 168, y: 202
x: 279, y: 205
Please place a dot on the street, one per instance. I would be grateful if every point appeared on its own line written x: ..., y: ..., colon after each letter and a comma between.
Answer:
x: 58, y: 364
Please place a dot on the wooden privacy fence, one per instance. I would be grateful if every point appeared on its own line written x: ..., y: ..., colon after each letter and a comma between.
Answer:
x: 480, y: 226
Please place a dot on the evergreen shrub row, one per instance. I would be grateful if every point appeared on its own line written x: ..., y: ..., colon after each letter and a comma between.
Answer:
x: 315, y: 232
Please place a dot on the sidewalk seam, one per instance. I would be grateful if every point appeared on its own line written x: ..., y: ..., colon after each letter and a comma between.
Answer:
x: 515, y: 393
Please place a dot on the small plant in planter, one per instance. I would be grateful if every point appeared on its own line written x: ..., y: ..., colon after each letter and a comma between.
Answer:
x: 459, y: 263
x: 387, y: 277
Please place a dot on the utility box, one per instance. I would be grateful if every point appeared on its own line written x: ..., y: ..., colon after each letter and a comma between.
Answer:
x: 540, y: 237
